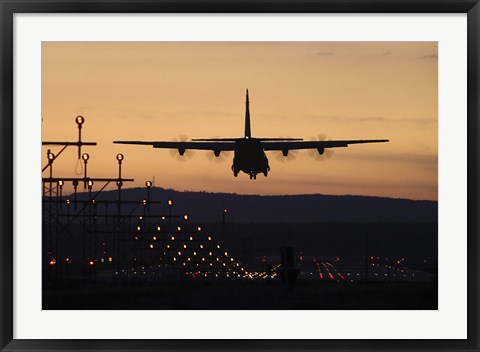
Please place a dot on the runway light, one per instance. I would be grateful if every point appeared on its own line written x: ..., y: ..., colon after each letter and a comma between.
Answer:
x: 79, y: 120
x: 179, y: 228
x: 173, y: 238
x: 158, y: 228
x: 91, y: 263
x: 148, y: 184
x: 151, y: 246
x: 53, y: 262
x: 60, y: 183
x: 170, y: 202
x: 154, y: 238
x: 199, y: 228
x: 110, y: 259
x: 85, y: 156
x: 120, y: 157
x: 67, y: 260
x: 209, y: 238
x: 191, y: 238
x: 185, y: 217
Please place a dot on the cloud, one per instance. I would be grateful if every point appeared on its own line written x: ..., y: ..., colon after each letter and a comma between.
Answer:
x: 132, y: 113
x: 325, y: 53
x: 427, y: 160
x: 370, y: 119
x: 361, y: 184
x: 429, y: 56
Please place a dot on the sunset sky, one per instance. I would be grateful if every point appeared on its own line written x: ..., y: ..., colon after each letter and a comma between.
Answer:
x: 159, y: 91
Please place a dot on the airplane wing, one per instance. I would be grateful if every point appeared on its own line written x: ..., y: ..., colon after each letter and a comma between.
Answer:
x: 316, y: 144
x: 215, y: 146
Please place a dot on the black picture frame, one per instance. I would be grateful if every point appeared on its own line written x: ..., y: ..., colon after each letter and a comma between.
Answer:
x: 10, y: 7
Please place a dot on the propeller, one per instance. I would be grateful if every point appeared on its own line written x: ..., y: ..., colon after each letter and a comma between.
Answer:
x: 285, y: 156
x: 315, y: 154
x: 222, y: 157
x: 181, y: 155
x: 219, y: 156
x: 291, y: 155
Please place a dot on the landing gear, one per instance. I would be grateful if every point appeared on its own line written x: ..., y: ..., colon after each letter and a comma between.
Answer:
x: 235, y: 171
x: 253, y: 176
x: 265, y: 173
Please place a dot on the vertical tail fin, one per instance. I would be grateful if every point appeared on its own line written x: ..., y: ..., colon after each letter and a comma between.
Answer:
x: 248, y: 132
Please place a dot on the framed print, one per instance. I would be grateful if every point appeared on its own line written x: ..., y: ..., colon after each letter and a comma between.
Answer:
x: 283, y: 176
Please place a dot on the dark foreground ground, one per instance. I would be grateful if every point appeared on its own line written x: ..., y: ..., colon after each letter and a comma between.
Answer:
x: 247, y: 295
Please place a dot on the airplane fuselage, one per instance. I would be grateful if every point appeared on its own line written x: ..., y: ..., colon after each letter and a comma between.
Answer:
x: 249, y: 157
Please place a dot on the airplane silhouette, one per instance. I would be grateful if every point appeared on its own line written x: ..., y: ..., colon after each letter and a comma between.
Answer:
x: 249, y: 152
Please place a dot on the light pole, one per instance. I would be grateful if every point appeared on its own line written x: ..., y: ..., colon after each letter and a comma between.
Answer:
x: 224, y: 215
x: 75, y: 186
x: 60, y: 186
x: 170, y: 204
x: 85, y: 158
x: 79, y: 120
x: 116, y: 247
x: 50, y: 157
x: 148, y: 184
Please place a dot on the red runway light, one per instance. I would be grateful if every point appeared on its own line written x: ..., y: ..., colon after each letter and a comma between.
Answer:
x: 91, y: 263
x: 53, y: 262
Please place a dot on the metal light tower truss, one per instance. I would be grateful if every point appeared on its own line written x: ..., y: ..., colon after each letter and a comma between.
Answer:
x: 120, y: 240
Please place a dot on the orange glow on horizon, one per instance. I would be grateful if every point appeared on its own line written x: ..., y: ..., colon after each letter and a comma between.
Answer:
x: 164, y: 90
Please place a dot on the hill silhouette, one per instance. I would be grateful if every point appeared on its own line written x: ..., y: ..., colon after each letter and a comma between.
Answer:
x: 307, y: 208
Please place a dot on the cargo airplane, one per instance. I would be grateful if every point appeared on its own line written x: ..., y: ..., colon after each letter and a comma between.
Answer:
x: 249, y: 152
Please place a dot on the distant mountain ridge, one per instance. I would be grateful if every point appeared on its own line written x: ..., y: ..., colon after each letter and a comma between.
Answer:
x: 307, y: 208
